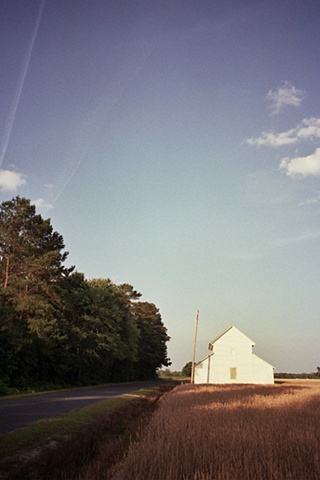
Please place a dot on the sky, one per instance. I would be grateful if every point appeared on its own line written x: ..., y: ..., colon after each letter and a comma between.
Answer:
x: 175, y: 145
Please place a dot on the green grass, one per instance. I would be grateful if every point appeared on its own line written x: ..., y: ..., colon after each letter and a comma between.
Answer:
x: 70, y: 446
x: 13, y: 442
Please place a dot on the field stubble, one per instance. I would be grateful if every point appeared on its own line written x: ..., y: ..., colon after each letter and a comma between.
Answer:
x: 230, y: 432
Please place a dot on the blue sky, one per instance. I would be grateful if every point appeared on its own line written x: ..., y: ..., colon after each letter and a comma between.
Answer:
x: 176, y: 146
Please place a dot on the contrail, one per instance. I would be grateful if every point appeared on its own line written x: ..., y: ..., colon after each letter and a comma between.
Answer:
x: 93, y: 127
x: 15, y: 104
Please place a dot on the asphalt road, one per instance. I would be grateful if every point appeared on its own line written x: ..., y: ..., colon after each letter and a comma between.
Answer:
x: 19, y: 412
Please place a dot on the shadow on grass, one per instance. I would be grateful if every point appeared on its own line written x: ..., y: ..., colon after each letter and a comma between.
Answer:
x: 66, y: 455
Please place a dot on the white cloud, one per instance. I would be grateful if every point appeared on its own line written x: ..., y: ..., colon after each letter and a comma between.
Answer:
x: 308, y: 129
x: 274, y: 139
x: 302, y: 166
x: 10, y: 181
x: 40, y: 203
x: 285, y: 96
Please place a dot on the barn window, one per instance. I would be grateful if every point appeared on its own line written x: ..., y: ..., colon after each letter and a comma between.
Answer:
x: 233, y: 373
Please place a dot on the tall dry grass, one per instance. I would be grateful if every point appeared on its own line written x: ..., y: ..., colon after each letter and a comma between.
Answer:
x: 85, y: 450
x: 202, y: 432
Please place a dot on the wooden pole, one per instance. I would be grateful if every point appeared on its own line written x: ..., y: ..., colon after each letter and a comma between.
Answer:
x: 194, y: 346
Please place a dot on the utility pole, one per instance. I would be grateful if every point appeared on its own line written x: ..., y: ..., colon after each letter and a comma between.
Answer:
x: 194, y: 346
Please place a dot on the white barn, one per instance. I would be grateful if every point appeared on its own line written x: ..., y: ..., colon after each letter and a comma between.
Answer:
x: 232, y: 361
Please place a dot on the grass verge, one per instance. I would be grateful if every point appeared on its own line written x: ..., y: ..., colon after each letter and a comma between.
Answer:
x: 61, y: 447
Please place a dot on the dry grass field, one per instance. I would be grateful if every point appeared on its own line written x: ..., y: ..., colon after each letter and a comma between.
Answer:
x: 238, y: 432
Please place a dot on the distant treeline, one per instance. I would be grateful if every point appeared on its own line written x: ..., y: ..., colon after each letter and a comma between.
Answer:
x: 56, y: 327
x: 297, y: 375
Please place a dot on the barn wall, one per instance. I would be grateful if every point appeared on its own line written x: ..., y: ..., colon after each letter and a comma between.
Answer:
x: 201, y: 371
x: 232, y: 361
x: 249, y: 369
x: 262, y: 371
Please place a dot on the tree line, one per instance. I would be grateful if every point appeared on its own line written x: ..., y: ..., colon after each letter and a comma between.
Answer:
x: 59, y: 328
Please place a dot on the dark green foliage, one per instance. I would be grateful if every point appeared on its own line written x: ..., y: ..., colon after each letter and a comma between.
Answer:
x: 296, y: 375
x: 186, y: 371
x: 31, y: 261
x: 152, y: 348
x: 56, y: 327
x: 31, y: 269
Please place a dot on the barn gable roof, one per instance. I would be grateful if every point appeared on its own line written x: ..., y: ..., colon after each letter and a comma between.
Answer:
x: 232, y: 327
x: 204, y: 359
